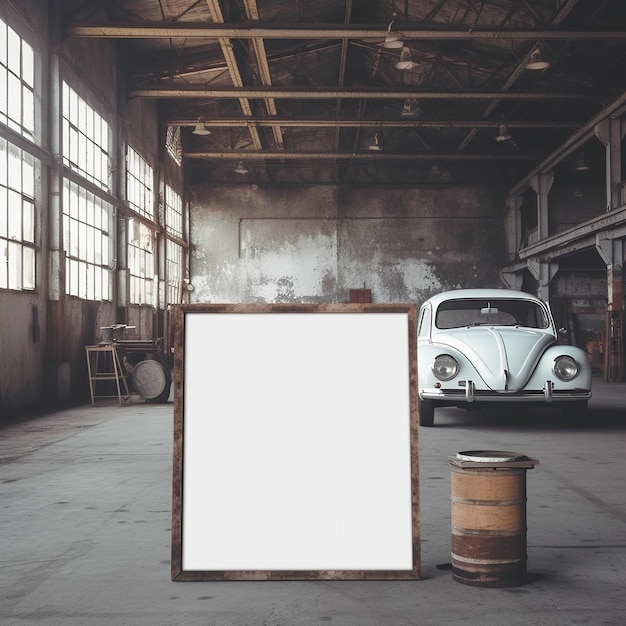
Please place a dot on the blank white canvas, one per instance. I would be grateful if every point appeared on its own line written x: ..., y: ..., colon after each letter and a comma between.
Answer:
x: 296, y: 431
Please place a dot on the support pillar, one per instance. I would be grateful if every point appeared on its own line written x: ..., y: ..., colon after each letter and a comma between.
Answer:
x: 613, y: 252
x: 541, y: 184
x: 513, y: 226
x: 610, y: 132
x: 544, y: 272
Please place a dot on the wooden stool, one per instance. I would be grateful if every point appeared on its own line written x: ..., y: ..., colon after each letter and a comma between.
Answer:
x: 101, y: 367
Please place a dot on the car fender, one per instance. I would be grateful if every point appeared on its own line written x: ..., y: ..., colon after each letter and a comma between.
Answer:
x: 543, y: 371
x: 426, y: 356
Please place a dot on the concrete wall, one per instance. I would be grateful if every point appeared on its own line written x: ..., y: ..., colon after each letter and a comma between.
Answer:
x: 313, y: 244
x: 22, y: 347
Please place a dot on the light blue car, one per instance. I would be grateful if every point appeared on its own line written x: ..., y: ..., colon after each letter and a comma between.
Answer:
x: 479, y: 346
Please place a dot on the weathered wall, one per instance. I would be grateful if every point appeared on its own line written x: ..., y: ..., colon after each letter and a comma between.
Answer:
x: 22, y: 346
x: 43, y: 340
x: 313, y: 244
x: 567, y: 210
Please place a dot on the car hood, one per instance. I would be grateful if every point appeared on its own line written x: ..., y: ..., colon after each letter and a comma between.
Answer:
x: 504, y: 357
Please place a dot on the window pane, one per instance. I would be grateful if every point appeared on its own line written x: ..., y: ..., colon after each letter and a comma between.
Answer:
x: 13, y: 51
x: 28, y: 268
x: 4, y: 276
x: 15, y: 265
x: 28, y: 176
x: 3, y: 94
x: 28, y: 224
x: 4, y: 214
x: 14, y: 108
x: 28, y: 65
x: 3, y: 162
x: 15, y: 215
x: 73, y: 247
x: 3, y: 43
x: 28, y: 111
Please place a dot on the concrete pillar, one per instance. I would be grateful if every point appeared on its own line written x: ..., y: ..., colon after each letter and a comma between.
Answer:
x: 513, y: 226
x: 613, y: 252
x: 541, y: 184
x: 610, y: 132
x: 544, y: 272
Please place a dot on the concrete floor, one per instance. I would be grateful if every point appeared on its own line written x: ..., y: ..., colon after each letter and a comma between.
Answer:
x: 85, y: 528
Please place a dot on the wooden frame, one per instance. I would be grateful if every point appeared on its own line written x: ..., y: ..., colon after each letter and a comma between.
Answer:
x: 295, y: 442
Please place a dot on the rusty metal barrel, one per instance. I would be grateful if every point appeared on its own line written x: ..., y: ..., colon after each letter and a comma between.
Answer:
x: 489, y: 518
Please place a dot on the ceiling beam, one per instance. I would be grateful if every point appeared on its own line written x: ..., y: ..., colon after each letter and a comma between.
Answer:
x: 233, y: 67
x: 360, y: 123
x: 247, y: 155
x: 263, y: 68
x: 190, y: 92
x: 195, y: 30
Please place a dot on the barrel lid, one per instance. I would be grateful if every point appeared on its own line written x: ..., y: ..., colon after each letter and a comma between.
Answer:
x: 489, y: 456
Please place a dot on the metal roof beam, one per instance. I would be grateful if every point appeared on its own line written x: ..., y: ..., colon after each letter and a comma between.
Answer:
x: 190, y: 92
x: 194, y: 30
x: 247, y: 155
x: 360, y: 123
x: 263, y: 68
x: 233, y: 67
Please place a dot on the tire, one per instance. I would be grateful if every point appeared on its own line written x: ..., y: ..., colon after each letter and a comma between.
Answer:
x: 152, y: 380
x: 426, y: 411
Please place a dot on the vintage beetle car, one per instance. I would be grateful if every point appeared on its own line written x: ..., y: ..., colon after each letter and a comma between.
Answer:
x: 479, y: 346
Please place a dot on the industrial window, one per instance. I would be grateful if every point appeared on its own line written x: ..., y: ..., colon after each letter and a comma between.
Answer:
x: 174, y: 256
x: 85, y: 139
x: 87, y: 224
x: 87, y: 217
x: 173, y: 212
x: 17, y: 82
x: 173, y: 250
x: 139, y: 184
x: 17, y: 167
x: 17, y: 218
x: 141, y: 237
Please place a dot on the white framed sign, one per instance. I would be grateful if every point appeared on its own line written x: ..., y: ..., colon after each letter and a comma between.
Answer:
x: 295, y: 442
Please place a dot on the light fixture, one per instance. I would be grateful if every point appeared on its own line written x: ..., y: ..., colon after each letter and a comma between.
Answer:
x: 375, y: 145
x: 405, y: 62
x: 201, y: 129
x: 410, y: 108
x: 536, y: 61
x: 577, y: 192
x: 241, y: 168
x: 435, y: 171
x: 438, y: 174
x: 503, y: 133
x: 582, y: 165
x: 392, y: 39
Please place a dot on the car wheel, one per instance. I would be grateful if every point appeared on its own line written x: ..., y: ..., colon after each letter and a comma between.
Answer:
x: 426, y: 410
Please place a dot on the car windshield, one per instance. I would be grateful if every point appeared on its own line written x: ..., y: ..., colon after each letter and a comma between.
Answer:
x: 490, y: 312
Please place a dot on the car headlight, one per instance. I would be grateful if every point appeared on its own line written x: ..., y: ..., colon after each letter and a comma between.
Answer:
x: 565, y: 367
x: 445, y: 367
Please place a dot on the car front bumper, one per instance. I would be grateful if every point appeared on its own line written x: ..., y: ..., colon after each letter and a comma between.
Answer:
x: 469, y: 394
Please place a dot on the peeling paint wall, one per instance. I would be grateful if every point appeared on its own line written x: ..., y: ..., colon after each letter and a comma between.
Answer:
x: 314, y: 244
